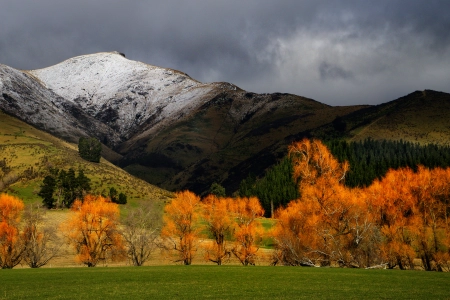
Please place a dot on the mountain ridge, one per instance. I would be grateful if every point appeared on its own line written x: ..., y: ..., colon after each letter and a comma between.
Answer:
x: 176, y: 132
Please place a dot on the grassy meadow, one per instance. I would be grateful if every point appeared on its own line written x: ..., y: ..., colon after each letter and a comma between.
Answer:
x: 221, y: 282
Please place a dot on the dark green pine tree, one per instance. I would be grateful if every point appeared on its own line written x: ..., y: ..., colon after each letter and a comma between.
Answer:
x: 122, y: 198
x: 69, y: 184
x: 90, y: 149
x: 82, y: 185
x: 113, y: 194
x: 371, y: 159
x: 247, y: 186
x: 217, y: 190
x: 47, y: 190
x: 277, y: 188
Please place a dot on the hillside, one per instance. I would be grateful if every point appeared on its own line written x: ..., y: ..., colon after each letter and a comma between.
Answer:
x: 163, y: 126
x: 420, y: 117
x: 27, y: 154
x: 218, y: 142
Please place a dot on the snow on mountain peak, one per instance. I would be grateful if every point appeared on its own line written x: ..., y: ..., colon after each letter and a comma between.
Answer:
x: 123, y: 93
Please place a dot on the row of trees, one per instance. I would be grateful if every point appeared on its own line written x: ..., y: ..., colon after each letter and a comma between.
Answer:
x: 232, y: 225
x: 403, y: 216
x: 60, y: 188
x: 400, y: 217
x: 92, y: 230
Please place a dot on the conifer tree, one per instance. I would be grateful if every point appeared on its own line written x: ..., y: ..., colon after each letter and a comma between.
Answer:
x: 90, y: 149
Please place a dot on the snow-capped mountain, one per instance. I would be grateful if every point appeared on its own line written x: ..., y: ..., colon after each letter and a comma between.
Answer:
x: 169, y: 129
x: 122, y: 93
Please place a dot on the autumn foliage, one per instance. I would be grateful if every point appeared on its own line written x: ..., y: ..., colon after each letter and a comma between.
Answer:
x: 234, y: 227
x: 396, y: 219
x: 328, y: 224
x: 412, y: 209
x: 399, y: 221
x: 219, y: 223
x: 230, y: 224
x: 92, y: 230
x: 248, y: 231
x: 11, y: 243
x: 181, y: 229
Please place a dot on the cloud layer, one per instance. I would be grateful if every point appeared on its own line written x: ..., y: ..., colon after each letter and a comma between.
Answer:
x: 336, y: 52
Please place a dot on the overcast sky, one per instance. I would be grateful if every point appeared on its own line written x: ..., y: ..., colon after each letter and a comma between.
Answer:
x: 336, y: 52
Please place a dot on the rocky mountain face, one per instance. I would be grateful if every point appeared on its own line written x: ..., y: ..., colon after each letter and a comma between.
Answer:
x: 160, y: 124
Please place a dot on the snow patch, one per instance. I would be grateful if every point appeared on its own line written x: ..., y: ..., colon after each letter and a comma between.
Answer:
x: 122, y: 92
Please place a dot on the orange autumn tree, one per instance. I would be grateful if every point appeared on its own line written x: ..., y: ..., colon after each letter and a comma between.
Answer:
x: 427, y: 192
x: 11, y: 244
x: 313, y: 161
x: 395, y: 214
x: 328, y: 224
x: 248, y: 231
x: 294, y: 234
x: 412, y: 208
x: 219, y: 223
x: 431, y: 190
x: 93, y: 230
x: 181, y: 229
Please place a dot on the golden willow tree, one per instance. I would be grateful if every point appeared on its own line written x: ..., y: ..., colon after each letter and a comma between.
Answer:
x: 11, y: 243
x: 219, y: 223
x: 181, y: 226
x: 248, y: 230
x: 398, y: 218
x: 412, y: 211
x: 232, y: 226
x: 329, y: 223
x: 92, y: 230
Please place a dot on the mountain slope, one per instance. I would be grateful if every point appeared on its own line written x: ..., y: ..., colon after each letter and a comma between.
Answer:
x: 420, y: 117
x: 124, y: 94
x: 163, y: 126
x: 213, y: 141
x: 24, y: 96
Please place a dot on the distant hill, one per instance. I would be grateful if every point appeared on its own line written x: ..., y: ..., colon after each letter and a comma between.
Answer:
x: 421, y: 117
x: 178, y: 133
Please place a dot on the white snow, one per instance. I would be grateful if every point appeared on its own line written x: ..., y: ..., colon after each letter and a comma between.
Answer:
x: 136, y: 91
x: 122, y: 99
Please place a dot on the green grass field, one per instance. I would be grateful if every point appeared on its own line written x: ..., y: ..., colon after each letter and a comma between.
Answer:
x: 221, y: 282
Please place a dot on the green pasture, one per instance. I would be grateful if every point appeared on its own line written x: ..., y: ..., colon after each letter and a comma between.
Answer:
x: 221, y: 282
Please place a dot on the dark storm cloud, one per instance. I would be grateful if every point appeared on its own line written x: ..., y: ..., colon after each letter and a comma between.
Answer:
x: 337, y: 52
x: 330, y: 71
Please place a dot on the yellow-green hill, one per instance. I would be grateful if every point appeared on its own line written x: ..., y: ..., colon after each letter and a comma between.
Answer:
x: 26, y: 154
